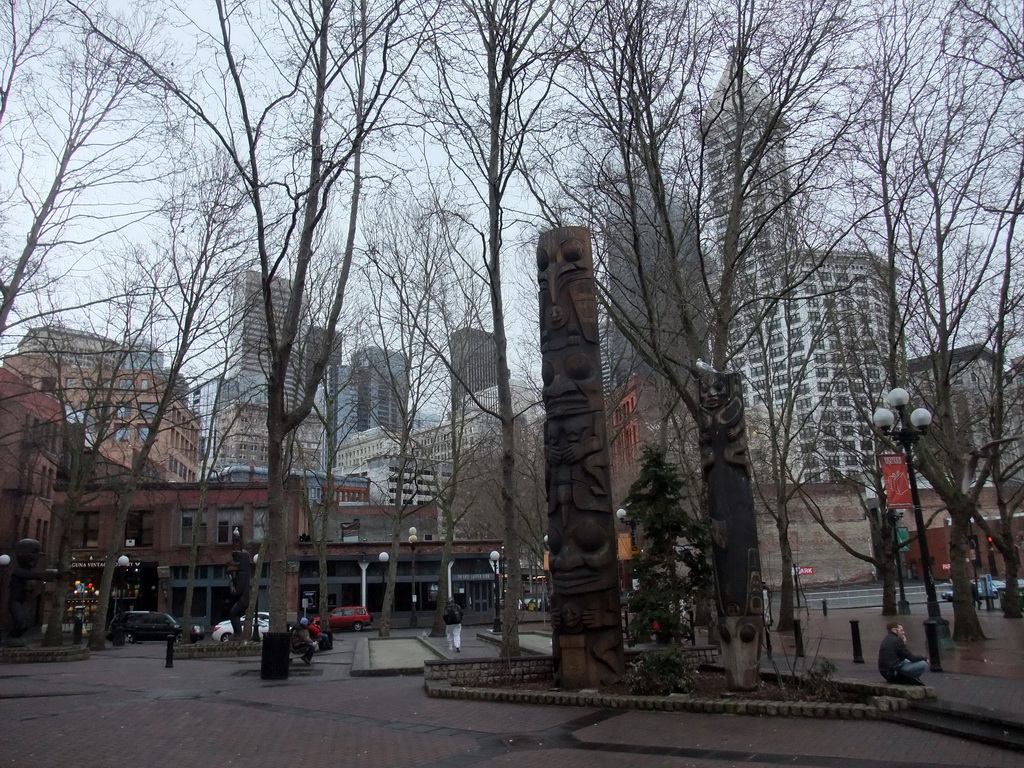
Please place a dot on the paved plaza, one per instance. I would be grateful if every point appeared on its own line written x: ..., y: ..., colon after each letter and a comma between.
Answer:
x: 124, y: 707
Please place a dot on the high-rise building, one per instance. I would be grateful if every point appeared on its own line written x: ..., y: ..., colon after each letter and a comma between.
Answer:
x: 239, y: 434
x: 474, y: 361
x: 807, y: 336
x: 369, y: 393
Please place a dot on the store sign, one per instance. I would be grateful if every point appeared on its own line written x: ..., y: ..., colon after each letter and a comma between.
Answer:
x: 897, y: 480
x: 803, y: 570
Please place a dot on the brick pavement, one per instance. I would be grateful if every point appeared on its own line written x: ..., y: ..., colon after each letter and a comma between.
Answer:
x: 122, y: 705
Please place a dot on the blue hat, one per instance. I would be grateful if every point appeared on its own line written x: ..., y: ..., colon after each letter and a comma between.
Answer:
x: 304, y: 621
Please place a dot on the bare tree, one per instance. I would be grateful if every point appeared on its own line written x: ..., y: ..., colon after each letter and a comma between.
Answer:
x: 495, y: 62
x: 77, y: 138
x: 306, y: 88
x: 700, y: 144
x: 936, y: 175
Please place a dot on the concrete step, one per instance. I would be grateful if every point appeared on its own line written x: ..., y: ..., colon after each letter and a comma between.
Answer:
x: 966, y: 722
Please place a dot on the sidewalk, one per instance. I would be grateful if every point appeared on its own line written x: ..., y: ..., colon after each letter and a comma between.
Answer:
x: 123, y: 706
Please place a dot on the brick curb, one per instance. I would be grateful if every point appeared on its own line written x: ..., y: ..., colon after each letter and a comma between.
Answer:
x: 40, y: 655
x: 677, y: 703
x: 228, y: 650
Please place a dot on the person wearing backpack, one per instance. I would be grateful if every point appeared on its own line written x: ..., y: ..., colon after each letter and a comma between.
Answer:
x: 453, y: 625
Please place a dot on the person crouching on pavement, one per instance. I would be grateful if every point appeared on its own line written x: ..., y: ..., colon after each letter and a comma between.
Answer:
x: 453, y: 625
x: 895, y: 661
x: 301, y: 641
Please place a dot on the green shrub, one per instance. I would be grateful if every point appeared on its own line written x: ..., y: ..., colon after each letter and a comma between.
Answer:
x: 662, y: 673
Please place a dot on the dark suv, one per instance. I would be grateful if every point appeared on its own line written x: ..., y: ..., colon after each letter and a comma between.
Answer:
x: 149, y: 625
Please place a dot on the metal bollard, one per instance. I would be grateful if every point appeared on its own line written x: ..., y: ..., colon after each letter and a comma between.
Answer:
x: 170, y: 652
x: 931, y: 633
x: 824, y: 608
x: 76, y: 631
x: 858, y: 652
x: 798, y: 636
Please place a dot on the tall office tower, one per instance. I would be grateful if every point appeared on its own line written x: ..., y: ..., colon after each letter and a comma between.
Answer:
x: 807, y: 336
x: 240, y: 421
x: 370, y: 392
x: 474, y: 360
x: 249, y: 337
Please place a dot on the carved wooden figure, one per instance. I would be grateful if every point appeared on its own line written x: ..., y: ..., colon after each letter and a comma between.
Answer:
x: 737, y: 562
x: 586, y: 616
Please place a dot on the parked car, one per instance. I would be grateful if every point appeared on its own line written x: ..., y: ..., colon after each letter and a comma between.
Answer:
x: 353, y: 617
x: 223, y: 631
x: 150, y: 625
x: 997, y: 586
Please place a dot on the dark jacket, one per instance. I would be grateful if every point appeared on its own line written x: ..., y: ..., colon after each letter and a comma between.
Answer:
x: 453, y: 614
x: 891, y: 652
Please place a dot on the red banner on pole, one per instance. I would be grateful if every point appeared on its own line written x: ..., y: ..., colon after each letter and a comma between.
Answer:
x: 897, y: 481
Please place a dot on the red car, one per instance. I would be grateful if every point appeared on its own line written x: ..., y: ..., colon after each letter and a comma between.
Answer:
x: 349, y: 617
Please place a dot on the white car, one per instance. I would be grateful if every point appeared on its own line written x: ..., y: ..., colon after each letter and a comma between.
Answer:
x: 223, y: 631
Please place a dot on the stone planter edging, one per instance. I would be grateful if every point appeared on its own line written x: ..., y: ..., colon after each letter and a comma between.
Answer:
x: 40, y: 655
x: 477, y: 680
x: 676, y: 703
x: 229, y: 650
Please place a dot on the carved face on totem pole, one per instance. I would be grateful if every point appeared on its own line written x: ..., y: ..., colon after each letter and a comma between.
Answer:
x: 581, y: 534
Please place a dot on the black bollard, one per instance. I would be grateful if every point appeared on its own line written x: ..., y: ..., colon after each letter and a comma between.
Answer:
x: 824, y: 608
x: 931, y: 634
x: 858, y: 652
x: 118, y: 638
x: 170, y: 652
x: 798, y: 636
x: 76, y: 630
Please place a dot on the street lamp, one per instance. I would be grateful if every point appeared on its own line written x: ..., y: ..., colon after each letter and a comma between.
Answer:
x: 623, y: 517
x: 495, y: 564
x: 902, y: 607
x: 383, y: 557
x: 122, y: 562
x: 936, y: 628
x: 413, y: 538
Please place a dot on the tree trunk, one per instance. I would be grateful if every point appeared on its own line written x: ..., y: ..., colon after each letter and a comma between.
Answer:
x: 966, y: 625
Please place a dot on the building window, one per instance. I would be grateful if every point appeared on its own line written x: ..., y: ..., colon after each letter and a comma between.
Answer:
x: 227, y: 521
x: 259, y: 523
x: 124, y: 383
x: 139, y: 527
x: 85, y: 529
x: 124, y: 434
x: 143, y: 383
x: 188, y: 520
x: 143, y: 434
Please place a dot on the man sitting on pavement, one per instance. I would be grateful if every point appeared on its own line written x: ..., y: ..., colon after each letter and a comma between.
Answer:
x: 895, y: 661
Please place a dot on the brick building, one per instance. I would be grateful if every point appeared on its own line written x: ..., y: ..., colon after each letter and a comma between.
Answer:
x: 159, y: 533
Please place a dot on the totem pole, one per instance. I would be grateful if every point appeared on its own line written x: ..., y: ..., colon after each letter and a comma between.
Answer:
x: 737, y: 561
x: 585, y: 614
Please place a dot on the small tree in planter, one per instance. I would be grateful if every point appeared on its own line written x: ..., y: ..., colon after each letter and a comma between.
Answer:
x: 672, y: 567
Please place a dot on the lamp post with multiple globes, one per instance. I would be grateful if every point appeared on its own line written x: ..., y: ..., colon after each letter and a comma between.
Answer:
x: 906, y: 429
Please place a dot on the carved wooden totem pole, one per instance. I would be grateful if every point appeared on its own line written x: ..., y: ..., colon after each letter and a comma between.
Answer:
x: 737, y: 561
x: 585, y: 614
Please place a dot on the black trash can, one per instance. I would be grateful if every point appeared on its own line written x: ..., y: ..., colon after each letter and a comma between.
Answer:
x: 276, y: 656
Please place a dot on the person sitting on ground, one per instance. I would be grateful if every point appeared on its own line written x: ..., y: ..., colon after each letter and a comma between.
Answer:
x: 301, y: 642
x: 895, y: 661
